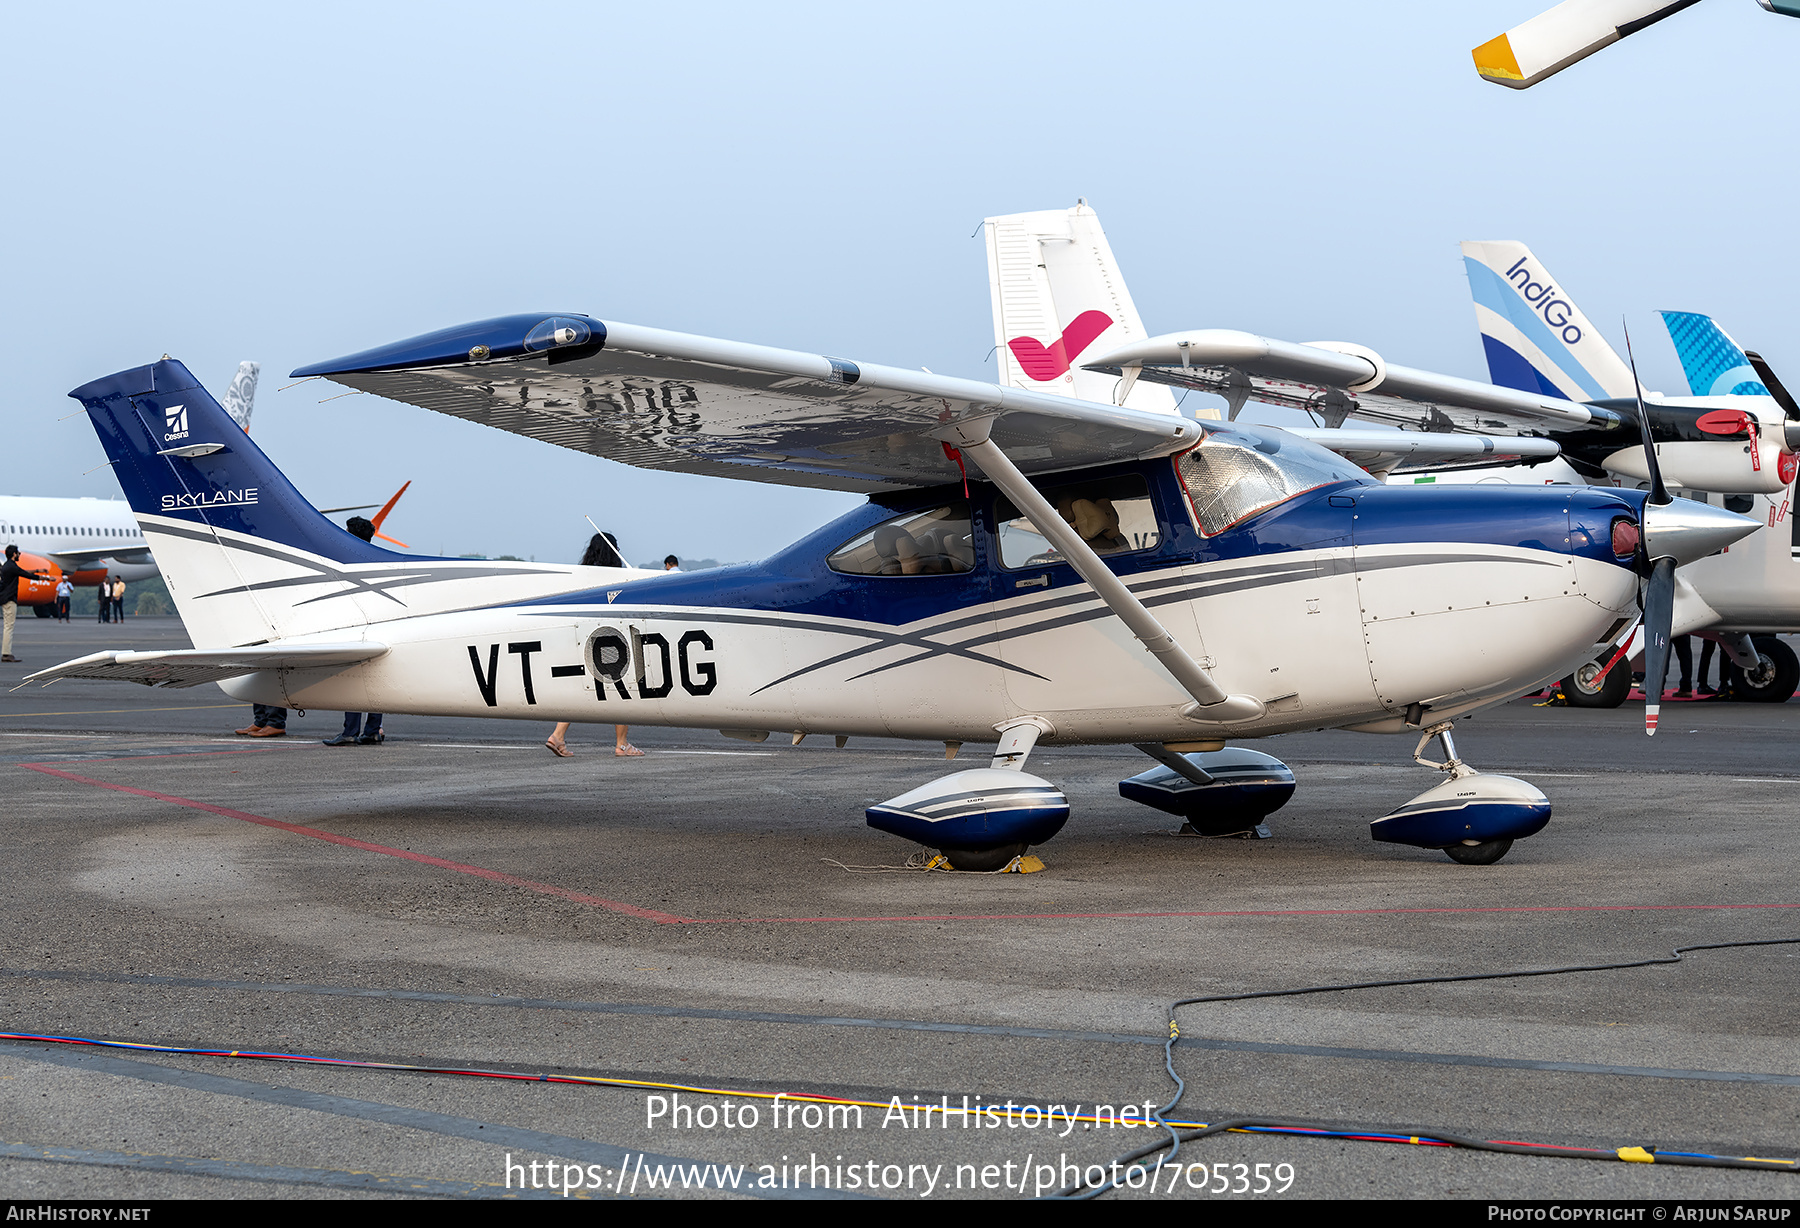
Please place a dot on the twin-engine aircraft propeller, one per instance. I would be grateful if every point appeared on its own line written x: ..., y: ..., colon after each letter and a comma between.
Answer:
x: 1779, y: 391
x: 1676, y: 531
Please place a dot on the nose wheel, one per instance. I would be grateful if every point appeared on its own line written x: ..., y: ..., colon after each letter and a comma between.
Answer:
x: 1477, y: 852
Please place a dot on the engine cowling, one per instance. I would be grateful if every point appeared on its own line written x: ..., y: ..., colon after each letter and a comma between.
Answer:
x: 38, y: 592
x: 1723, y: 466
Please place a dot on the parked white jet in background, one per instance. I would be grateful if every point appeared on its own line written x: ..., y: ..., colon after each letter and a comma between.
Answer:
x: 1730, y: 443
x: 89, y: 539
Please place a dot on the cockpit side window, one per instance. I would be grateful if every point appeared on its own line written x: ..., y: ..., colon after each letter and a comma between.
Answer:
x: 1238, y: 471
x: 1113, y: 515
x: 939, y: 542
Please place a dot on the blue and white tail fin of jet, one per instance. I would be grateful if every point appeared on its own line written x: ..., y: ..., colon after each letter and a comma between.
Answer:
x: 1536, y: 339
x: 246, y: 557
x: 240, y: 398
x: 1714, y: 363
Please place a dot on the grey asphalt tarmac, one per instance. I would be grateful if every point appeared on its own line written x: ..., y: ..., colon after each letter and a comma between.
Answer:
x: 716, y: 915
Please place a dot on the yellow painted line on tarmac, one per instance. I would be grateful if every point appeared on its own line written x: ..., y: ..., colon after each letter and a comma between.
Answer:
x: 111, y: 711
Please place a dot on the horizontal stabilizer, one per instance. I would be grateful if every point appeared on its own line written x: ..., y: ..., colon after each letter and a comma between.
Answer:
x: 187, y: 667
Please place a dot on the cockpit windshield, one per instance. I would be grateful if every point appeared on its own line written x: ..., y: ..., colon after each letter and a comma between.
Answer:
x: 1238, y: 471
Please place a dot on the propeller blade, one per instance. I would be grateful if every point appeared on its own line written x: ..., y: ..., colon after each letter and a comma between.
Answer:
x: 1776, y: 388
x: 1658, y: 492
x: 1659, y: 616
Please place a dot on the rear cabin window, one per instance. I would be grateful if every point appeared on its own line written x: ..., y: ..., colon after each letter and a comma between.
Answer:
x: 939, y: 542
x: 1113, y: 515
x: 1238, y: 471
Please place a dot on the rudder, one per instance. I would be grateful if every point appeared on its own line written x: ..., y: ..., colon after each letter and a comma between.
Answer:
x: 1535, y: 338
x: 1057, y: 296
x: 1714, y: 364
x: 207, y: 500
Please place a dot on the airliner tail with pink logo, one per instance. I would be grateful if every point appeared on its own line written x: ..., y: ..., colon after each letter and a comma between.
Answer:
x: 1058, y: 295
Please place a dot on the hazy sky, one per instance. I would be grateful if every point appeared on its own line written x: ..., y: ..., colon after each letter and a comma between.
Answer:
x: 235, y: 181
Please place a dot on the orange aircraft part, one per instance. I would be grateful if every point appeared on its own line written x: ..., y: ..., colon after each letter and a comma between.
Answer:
x: 382, y: 515
x: 38, y: 592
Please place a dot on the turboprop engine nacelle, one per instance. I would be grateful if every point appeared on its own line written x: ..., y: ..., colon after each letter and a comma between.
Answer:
x: 1721, y: 466
x: 38, y: 592
x: 978, y: 809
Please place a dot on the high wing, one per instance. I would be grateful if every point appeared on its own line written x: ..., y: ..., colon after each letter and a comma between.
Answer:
x: 1382, y: 452
x: 187, y: 667
x: 666, y: 400
x: 1335, y: 380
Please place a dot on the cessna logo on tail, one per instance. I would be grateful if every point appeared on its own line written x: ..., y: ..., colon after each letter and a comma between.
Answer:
x: 174, y: 423
x: 1043, y: 364
x: 1557, y: 312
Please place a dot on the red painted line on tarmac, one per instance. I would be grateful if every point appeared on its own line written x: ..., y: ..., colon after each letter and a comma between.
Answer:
x: 495, y: 876
x: 1290, y: 912
x: 650, y: 914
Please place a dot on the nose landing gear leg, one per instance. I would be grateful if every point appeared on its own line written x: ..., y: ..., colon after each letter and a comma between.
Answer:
x: 1473, y: 817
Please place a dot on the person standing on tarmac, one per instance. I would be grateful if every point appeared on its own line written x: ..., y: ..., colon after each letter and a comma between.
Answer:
x: 359, y: 731
x: 10, y: 574
x: 602, y: 551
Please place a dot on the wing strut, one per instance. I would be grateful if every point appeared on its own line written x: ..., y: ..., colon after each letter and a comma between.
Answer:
x: 1211, y: 703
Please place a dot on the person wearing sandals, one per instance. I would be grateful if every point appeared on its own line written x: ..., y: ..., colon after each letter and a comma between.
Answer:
x: 358, y: 729
x: 622, y: 746
x: 602, y: 551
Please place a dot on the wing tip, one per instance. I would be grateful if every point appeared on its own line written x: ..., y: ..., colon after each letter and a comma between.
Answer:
x: 1495, y: 61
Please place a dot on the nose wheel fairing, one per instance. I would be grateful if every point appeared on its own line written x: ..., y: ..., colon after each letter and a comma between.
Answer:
x: 1475, y: 809
x: 1474, y: 816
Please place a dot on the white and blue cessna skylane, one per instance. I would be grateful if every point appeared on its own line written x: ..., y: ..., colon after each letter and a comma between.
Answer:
x: 1014, y: 545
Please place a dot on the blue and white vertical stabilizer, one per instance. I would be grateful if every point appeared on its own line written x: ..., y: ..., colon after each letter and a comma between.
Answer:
x: 247, y: 559
x: 1714, y: 364
x: 1536, y: 339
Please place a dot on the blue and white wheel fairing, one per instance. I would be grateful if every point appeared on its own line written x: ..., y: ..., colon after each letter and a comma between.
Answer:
x: 1465, y: 812
x: 1246, y: 787
x: 982, y: 808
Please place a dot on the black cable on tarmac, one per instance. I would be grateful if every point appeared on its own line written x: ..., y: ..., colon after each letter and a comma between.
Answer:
x: 1171, y: 1147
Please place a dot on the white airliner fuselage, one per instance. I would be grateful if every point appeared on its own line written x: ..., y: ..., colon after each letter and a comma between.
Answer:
x: 88, y: 538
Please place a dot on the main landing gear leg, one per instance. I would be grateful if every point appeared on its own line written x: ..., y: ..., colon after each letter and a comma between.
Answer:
x: 1473, y: 817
